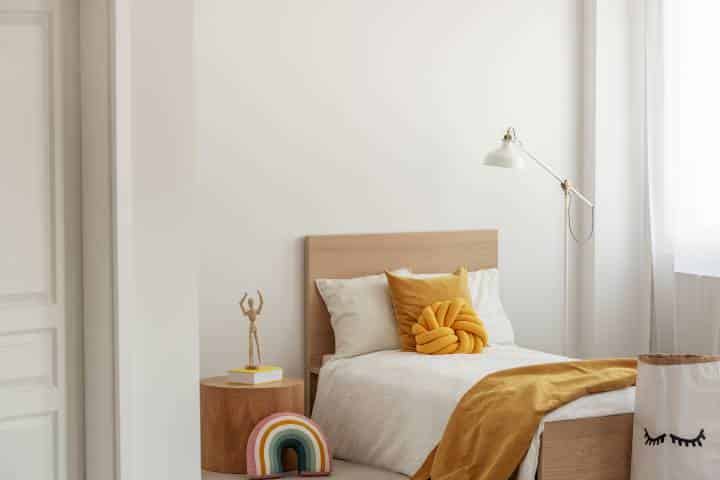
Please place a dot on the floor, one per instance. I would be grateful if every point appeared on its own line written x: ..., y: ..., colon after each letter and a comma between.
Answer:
x: 341, y: 471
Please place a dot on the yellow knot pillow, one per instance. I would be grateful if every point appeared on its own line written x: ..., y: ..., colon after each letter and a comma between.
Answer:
x: 450, y: 326
x: 410, y: 295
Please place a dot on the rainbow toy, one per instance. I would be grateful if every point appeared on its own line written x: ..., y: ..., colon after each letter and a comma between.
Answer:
x: 282, y: 431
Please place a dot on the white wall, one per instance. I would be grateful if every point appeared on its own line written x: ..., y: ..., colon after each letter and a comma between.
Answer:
x: 372, y: 116
x: 157, y: 328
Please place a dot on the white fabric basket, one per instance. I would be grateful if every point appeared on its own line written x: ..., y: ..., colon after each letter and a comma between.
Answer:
x: 677, y: 418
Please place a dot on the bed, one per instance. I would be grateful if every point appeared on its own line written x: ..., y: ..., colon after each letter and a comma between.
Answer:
x: 585, y: 440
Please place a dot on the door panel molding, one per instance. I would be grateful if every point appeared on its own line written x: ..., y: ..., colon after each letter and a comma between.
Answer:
x: 27, y: 358
x: 39, y: 300
x: 31, y: 440
x: 45, y: 291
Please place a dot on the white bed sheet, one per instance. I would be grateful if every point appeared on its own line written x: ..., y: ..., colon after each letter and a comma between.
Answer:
x: 389, y: 409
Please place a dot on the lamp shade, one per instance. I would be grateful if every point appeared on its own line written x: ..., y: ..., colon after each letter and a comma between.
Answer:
x: 507, y: 156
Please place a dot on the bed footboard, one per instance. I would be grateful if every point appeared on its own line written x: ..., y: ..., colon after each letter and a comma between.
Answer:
x: 597, y: 448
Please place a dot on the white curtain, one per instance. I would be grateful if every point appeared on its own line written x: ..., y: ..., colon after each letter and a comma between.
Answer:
x: 659, y: 180
x: 698, y: 313
x: 683, y: 200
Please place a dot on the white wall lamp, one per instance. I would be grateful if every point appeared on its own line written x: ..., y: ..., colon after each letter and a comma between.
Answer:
x: 511, y: 154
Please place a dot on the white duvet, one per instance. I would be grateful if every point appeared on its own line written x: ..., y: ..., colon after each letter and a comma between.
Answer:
x: 389, y: 409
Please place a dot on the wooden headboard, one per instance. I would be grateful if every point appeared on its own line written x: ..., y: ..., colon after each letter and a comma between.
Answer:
x: 345, y: 256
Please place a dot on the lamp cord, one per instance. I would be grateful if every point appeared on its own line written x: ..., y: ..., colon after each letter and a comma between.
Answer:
x: 570, y: 224
x: 512, y: 136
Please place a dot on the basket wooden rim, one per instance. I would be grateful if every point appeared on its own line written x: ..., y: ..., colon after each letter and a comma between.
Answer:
x: 677, y: 359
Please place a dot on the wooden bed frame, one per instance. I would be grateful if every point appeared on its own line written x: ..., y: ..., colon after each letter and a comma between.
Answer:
x: 595, y: 448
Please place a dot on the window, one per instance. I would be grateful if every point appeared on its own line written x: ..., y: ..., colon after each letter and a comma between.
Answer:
x: 693, y: 132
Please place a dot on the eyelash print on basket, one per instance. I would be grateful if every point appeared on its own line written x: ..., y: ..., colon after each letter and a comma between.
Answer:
x: 654, y: 441
x: 686, y: 442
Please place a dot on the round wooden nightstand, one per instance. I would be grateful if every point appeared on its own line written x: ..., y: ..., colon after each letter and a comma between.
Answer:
x: 230, y: 411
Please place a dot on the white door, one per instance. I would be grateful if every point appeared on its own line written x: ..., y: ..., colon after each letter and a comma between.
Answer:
x: 38, y: 286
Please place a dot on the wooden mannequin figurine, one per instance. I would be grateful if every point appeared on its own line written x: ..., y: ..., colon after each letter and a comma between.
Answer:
x: 252, y: 315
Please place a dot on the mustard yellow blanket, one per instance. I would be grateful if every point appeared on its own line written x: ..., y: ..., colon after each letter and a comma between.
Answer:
x: 492, y: 426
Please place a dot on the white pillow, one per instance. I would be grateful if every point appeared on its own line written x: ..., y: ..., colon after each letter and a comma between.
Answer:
x: 484, y: 286
x: 361, y: 314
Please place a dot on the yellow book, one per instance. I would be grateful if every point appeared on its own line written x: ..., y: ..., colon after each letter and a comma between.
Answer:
x: 263, y: 374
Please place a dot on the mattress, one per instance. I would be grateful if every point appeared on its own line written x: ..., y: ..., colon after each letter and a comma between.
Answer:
x: 389, y: 409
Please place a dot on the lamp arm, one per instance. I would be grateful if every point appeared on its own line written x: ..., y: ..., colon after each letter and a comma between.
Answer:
x: 542, y: 164
x: 560, y: 180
